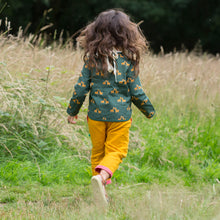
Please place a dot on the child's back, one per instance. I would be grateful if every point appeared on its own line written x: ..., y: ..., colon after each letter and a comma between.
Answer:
x: 112, y: 78
x: 110, y: 96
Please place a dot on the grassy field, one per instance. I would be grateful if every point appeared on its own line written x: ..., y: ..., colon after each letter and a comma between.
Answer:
x: 172, y: 170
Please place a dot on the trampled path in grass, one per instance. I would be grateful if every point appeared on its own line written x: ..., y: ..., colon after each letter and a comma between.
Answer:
x: 172, y: 170
x: 137, y: 201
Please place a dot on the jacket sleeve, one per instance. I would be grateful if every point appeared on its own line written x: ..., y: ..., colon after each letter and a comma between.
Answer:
x: 138, y: 96
x: 81, y: 89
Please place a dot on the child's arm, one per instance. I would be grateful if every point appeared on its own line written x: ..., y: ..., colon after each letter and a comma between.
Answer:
x: 81, y: 89
x: 138, y: 96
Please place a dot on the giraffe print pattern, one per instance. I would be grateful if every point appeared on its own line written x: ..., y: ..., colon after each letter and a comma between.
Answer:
x: 105, y: 101
x: 114, y: 109
x: 123, y: 81
x: 76, y: 101
x: 98, y: 92
x: 121, y: 100
x: 97, y: 111
x: 111, y: 96
x: 144, y: 102
x: 99, y: 74
x: 122, y: 118
x: 106, y: 82
x: 82, y: 84
x: 125, y: 63
x: 115, y: 91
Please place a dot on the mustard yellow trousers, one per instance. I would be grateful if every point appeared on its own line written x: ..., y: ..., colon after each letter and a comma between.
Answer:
x: 110, y: 145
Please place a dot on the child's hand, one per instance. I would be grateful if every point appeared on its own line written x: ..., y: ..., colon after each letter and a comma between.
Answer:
x: 70, y: 119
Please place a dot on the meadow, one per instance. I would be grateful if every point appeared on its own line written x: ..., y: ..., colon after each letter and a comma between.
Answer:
x: 172, y: 170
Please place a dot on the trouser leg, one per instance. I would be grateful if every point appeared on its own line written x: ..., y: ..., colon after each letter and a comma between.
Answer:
x: 116, y: 146
x: 97, y: 130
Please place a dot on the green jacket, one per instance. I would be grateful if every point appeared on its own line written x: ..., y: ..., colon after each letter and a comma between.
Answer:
x: 110, y: 97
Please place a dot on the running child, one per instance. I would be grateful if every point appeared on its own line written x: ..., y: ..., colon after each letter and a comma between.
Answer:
x: 113, y: 45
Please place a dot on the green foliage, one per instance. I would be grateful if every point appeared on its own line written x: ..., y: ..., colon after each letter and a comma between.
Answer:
x: 58, y: 169
x: 172, y: 168
x: 25, y: 132
x: 172, y: 24
x: 170, y: 148
x: 187, y: 146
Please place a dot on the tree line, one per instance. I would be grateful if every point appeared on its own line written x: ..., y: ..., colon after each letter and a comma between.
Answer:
x: 168, y: 23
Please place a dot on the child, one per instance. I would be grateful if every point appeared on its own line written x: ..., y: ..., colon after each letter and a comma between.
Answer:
x: 113, y: 45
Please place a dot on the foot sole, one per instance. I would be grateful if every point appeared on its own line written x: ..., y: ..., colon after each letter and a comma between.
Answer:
x: 98, y: 191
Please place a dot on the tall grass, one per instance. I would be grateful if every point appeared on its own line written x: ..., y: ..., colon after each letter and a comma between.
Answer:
x: 172, y: 158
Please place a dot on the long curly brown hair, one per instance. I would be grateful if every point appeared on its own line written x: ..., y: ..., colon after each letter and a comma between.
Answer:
x: 112, y: 29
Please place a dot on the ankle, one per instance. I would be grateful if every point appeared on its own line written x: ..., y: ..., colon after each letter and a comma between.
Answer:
x: 105, y: 175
